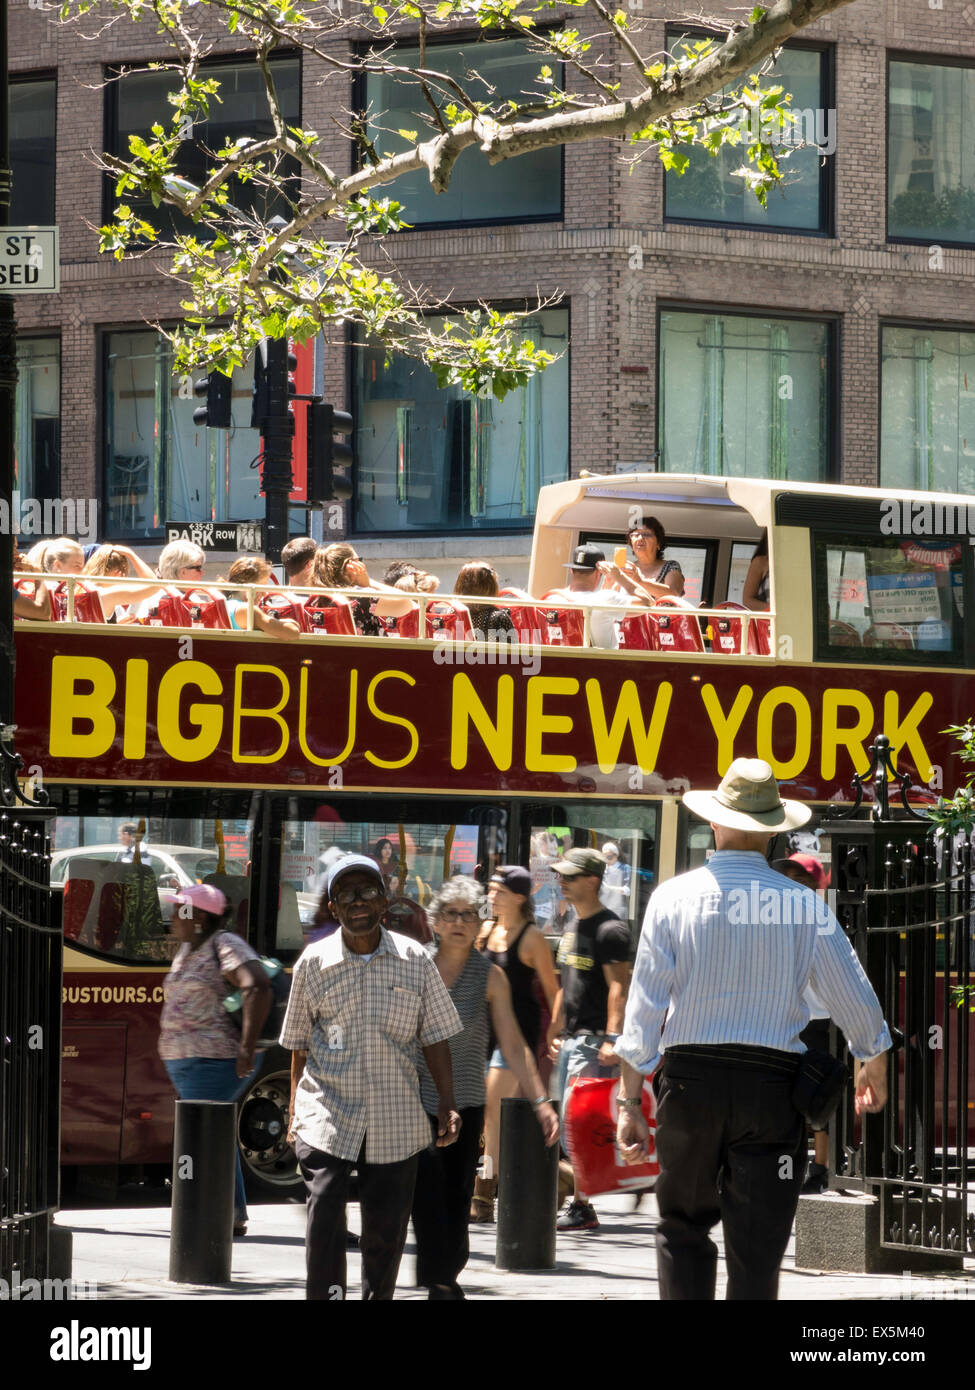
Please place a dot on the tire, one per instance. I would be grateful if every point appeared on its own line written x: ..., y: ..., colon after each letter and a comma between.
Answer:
x: 268, y: 1160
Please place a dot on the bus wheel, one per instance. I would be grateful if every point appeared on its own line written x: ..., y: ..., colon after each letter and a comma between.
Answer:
x: 269, y: 1163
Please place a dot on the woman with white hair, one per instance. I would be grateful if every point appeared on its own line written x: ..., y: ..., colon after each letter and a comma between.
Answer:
x: 615, y: 891
x: 481, y: 995
x: 180, y: 560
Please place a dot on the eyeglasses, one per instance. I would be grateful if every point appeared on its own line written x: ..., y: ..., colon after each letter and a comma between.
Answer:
x: 198, y: 569
x: 450, y: 914
x: 367, y: 894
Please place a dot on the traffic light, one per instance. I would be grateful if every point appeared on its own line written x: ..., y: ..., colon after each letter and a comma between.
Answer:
x: 326, y: 454
x: 218, y: 390
x: 273, y: 382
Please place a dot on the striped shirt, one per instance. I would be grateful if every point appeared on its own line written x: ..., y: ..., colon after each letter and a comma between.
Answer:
x: 360, y: 1021
x: 729, y: 949
x: 469, y: 1049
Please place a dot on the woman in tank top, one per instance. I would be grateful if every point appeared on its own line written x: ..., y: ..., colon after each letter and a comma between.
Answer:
x: 511, y: 940
x: 445, y: 1176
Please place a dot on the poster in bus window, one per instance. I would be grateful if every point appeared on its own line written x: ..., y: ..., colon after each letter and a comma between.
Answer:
x: 903, y: 598
x: 847, y: 585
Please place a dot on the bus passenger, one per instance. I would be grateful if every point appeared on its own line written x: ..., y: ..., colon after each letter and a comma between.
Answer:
x: 253, y: 569
x: 298, y: 562
x: 339, y: 567
x: 36, y: 604
x: 480, y: 580
x: 755, y: 594
x: 205, y: 1055
x: 586, y: 570
x: 657, y: 576
x: 445, y: 1179
x: 512, y: 941
x: 60, y: 556
x: 119, y: 561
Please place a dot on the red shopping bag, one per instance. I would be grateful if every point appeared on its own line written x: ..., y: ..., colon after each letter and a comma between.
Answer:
x: 590, y: 1137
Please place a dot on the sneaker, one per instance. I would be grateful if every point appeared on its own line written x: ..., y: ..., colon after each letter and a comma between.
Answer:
x: 578, y: 1216
x: 817, y: 1180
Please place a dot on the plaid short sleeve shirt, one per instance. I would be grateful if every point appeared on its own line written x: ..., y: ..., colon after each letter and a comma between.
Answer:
x: 361, y: 1023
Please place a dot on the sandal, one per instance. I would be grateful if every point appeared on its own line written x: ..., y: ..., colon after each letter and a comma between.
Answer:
x: 240, y: 1228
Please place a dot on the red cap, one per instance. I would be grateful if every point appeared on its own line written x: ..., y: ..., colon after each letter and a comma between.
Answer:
x: 809, y: 864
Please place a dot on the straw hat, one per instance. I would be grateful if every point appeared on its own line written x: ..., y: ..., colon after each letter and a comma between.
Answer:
x: 748, y: 799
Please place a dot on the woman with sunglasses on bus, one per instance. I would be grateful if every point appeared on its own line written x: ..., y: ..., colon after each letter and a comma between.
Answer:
x: 481, y: 995
x: 511, y: 940
x: 658, y: 577
x: 207, y: 1058
x: 339, y: 567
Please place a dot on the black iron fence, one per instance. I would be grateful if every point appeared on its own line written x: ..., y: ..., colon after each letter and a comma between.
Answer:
x: 904, y: 893
x: 30, y: 1037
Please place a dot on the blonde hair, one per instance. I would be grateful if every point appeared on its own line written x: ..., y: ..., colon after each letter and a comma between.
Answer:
x: 56, y: 551
x: 107, y: 560
x: 418, y: 583
x: 330, y: 563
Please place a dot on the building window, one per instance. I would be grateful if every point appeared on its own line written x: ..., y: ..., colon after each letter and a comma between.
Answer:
x: 37, y: 451
x: 931, y: 153
x: 927, y: 413
x: 33, y: 104
x: 441, y: 460
x: 137, y: 100
x: 708, y: 191
x: 526, y: 189
x: 159, y: 465
x: 744, y: 396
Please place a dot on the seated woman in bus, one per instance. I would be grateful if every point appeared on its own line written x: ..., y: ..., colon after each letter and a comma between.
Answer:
x: 31, y: 599
x: 253, y: 569
x: 480, y: 580
x: 481, y: 995
x: 60, y: 556
x: 339, y: 567
x: 657, y: 577
x: 755, y: 593
x: 180, y: 560
x: 119, y: 562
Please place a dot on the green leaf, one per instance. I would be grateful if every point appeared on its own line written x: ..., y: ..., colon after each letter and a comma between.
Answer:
x: 409, y: 135
x: 381, y: 14
x: 757, y: 14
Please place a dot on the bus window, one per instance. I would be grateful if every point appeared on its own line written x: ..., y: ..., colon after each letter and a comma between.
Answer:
x: 741, y: 557
x: 889, y: 599
x: 626, y: 835
x: 415, y: 857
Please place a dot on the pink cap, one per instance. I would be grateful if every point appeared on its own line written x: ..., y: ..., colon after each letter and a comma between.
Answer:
x: 205, y: 896
x: 810, y: 865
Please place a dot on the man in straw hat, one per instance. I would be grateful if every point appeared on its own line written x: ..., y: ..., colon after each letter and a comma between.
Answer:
x: 730, y: 1142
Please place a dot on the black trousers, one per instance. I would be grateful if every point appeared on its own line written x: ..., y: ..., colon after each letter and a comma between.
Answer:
x: 731, y: 1147
x: 385, y: 1194
x: 442, y: 1199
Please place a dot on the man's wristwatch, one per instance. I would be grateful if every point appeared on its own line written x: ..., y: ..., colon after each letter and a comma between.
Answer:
x: 629, y: 1102
x: 542, y: 1100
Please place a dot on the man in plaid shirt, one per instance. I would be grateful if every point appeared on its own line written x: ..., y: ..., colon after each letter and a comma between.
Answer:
x: 361, y: 1003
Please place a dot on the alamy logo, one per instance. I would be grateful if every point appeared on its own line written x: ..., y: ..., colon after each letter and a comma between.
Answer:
x: 779, y: 907
x: 54, y: 516
x: 807, y: 125
x: 941, y: 519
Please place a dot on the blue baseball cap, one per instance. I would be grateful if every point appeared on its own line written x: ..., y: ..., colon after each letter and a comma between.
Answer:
x: 349, y: 862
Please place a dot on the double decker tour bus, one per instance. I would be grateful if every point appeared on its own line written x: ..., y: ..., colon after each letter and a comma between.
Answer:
x: 245, y: 760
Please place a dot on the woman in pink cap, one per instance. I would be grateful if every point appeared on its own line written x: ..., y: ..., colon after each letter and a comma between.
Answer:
x: 205, y: 1055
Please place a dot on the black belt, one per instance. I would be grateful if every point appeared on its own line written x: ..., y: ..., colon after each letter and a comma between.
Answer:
x: 736, y: 1054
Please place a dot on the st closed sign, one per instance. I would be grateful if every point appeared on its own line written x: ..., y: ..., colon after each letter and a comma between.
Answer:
x: 29, y: 262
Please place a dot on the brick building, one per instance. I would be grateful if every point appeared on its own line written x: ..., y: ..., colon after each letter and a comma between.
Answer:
x: 830, y: 338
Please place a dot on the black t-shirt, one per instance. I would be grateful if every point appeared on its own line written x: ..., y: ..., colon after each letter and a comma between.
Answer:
x: 585, y: 948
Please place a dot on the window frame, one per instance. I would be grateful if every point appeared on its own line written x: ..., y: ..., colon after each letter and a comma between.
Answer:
x: 920, y: 59
x: 15, y: 79
x: 111, y: 73
x: 506, y: 529
x: 935, y: 326
x: 457, y: 40
x: 834, y: 340
x: 53, y: 336
x: 827, y: 178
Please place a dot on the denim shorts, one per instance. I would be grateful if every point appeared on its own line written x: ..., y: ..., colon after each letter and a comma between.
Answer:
x: 496, y: 1060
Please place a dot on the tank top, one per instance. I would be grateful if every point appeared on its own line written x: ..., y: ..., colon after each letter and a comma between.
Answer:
x: 468, y: 1049
x: 521, y: 978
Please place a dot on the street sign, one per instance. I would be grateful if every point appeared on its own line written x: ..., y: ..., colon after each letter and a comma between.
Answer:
x: 246, y: 537
x: 29, y: 260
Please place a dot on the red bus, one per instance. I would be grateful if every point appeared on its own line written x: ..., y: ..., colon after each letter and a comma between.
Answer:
x: 244, y: 760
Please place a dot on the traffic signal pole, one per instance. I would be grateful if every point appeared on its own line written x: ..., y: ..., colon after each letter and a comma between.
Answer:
x: 276, y: 423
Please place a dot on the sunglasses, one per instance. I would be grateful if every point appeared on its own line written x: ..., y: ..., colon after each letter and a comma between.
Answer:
x: 345, y: 897
x: 198, y: 569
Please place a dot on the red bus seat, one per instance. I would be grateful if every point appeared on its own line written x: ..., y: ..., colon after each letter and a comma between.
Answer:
x: 526, y: 619
x: 843, y: 635
x: 639, y: 633
x: 679, y: 631
x: 888, y: 635
x: 727, y: 631
x: 286, y: 609
x: 174, y: 609
x: 87, y: 604
x: 328, y: 617
x: 565, y: 627
x: 446, y: 619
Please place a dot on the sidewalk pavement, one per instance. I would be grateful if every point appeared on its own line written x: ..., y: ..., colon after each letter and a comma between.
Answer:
x: 125, y: 1253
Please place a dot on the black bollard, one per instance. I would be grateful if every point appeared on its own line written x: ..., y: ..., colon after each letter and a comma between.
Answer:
x: 204, y: 1166
x: 528, y: 1175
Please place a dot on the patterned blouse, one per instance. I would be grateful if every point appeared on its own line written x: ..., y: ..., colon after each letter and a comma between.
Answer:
x: 194, y: 1022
